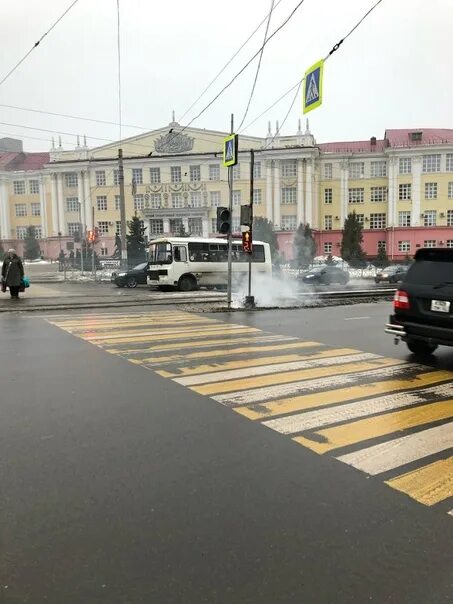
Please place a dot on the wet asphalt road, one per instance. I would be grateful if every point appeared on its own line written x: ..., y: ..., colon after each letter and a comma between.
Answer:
x: 119, y: 486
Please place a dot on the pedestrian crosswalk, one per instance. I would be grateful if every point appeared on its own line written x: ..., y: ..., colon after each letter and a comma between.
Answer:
x: 385, y: 417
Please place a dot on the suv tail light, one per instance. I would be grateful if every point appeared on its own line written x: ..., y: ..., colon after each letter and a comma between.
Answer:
x: 401, y: 300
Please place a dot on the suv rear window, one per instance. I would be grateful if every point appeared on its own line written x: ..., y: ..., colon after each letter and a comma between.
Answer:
x: 426, y: 272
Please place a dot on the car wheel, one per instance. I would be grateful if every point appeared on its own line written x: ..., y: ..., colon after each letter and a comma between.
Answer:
x: 132, y: 282
x: 420, y: 348
x: 187, y: 284
x: 120, y: 285
x: 376, y: 280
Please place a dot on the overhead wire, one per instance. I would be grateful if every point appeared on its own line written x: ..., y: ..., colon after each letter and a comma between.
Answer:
x: 37, y: 43
x: 259, y: 64
x: 216, y: 77
x: 329, y: 54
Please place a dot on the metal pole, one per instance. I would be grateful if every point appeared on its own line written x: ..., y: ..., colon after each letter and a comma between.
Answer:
x: 82, y: 228
x: 93, y: 262
x: 123, y: 262
x: 252, y: 167
x: 230, y: 234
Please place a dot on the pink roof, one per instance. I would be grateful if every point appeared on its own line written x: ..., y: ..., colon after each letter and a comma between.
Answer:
x: 352, y: 147
x: 15, y: 162
x: 430, y: 136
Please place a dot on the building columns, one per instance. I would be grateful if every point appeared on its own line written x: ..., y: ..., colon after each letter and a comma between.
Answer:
x: 88, y: 210
x: 269, y: 195
x: 81, y: 199
x: 309, y: 192
x: 300, y: 192
x: 43, y: 207
x: 205, y: 227
x: 54, y: 199
x: 4, y: 210
x: 166, y: 225
x: 416, y: 177
x: 277, y: 194
x: 61, y: 223
x: 392, y: 192
x: 344, y: 196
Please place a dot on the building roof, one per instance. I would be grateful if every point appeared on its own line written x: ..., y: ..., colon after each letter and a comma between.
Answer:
x: 426, y: 136
x: 353, y: 146
x: 17, y: 162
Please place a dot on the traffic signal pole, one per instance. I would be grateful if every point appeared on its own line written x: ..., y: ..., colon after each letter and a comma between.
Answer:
x: 230, y: 233
x: 123, y: 262
x: 250, y: 300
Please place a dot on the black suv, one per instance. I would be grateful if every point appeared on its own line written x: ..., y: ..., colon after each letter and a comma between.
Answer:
x: 423, y: 304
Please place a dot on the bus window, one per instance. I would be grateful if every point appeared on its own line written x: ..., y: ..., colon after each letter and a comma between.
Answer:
x: 258, y: 253
x: 160, y: 253
x: 179, y: 253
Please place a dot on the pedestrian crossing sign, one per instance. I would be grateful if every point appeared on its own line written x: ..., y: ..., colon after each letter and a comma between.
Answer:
x: 312, y: 94
x: 230, y: 150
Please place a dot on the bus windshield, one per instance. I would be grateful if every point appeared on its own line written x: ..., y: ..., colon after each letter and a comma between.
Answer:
x: 160, y: 253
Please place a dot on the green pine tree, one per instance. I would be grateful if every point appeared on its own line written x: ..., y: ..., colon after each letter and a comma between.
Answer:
x: 2, y: 252
x: 304, y: 246
x: 382, y: 259
x: 263, y: 230
x: 351, y: 248
x: 136, y: 248
x: 31, y: 245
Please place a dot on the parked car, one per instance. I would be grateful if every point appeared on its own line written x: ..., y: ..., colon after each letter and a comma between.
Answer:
x: 392, y: 274
x: 131, y: 278
x: 325, y: 275
x: 423, y: 304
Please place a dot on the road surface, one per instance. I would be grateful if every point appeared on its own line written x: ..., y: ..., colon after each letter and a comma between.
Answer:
x: 272, y: 457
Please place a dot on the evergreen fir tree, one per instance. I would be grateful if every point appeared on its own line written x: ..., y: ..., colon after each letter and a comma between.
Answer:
x: 136, y: 248
x: 263, y: 230
x: 32, y: 251
x: 304, y: 246
x: 351, y: 248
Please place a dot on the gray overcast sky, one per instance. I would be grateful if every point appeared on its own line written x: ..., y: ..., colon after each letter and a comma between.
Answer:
x: 393, y: 72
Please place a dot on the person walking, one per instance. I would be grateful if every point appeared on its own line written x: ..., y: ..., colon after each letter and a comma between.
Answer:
x: 12, y: 273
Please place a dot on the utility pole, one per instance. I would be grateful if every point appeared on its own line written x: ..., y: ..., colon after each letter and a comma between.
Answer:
x: 123, y: 263
x: 230, y: 234
x: 250, y: 300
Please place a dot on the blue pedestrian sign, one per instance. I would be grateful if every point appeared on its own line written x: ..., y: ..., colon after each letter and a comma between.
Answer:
x: 230, y: 150
x: 312, y: 94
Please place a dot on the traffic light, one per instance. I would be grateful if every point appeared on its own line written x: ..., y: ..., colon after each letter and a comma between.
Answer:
x: 223, y: 220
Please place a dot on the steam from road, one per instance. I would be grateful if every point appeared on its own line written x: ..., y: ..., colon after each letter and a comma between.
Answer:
x: 270, y: 290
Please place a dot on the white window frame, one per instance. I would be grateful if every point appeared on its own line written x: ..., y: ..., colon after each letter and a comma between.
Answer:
x: 156, y: 226
x: 449, y: 217
x: 71, y: 179
x: 117, y: 202
x: 103, y: 226
x: 35, y: 208
x: 100, y: 178
x: 429, y: 218
x: 431, y: 162
x: 38, y: 231
x: 196, y: 200
x: 20, y: 210
x: 139, y: 201
x: 449, y: 162
x: 378, y: 221
x: 214, y: 171
x: 382, y: 245
x: 33, y: 186
x: 405, y: 191
x: 195, y: 225
x: 257, y: 169
x: 154, y: 175
x: 450, y: 243
x: 328, y: 196
x: 450, y: 190
x: 101, y: 203
x: 195, y: 173
x: 257, y: 196
x: 137, y: 176
x: 378, y: 194
x: 328, y: 171
x: 328, y: 247
x: 237, y: 172
x: 405, y: 165
x: 237, y: 197
x: 177, y: 200
x: 72, y: 205
x: 356, y: 195
x: 175, y: 174
x: 155, y: 201
x: 21, y: 232
x: 404, y: 217
x: 116, y: 177
x: 378, y: 169
x: 289, y: 195
x: 356, y: 170
x: 215, y: 199
x: 289, y: 222
x: 289, y: 168
x: 429, y: 243
x: 328, y: 222
x: 430, y: 190
x: 73, y: 228
x: 19, y: 187
x: 404, y: 246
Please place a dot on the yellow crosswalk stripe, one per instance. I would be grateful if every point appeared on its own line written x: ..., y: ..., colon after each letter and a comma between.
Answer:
x: 228, y: 340
x: 428, y: 485
x: 340, y: 395
x: 114, y: 319
x: 137, y: 325
x: 152, y: 336
x: 244, y: 363
x: 224, y: 352
x: 373, y: 427
x: 291, y: 376
x: 178, y: 331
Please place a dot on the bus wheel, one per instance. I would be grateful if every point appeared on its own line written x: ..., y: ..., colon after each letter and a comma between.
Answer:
x: 187, y: 284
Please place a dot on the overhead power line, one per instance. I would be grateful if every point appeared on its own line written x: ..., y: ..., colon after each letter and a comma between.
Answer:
x: 259, y: 65
x: 216, y: 77
x: 299, y: 83
x: 37, y: 43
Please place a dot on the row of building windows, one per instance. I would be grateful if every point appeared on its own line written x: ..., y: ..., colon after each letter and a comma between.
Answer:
x: 20, y: 188
x: 379, y: 194
x: 22, y: 210
x: 403, y: 246
x: 378, y: 169
x: 21, y: 232
x: 378, y: 221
